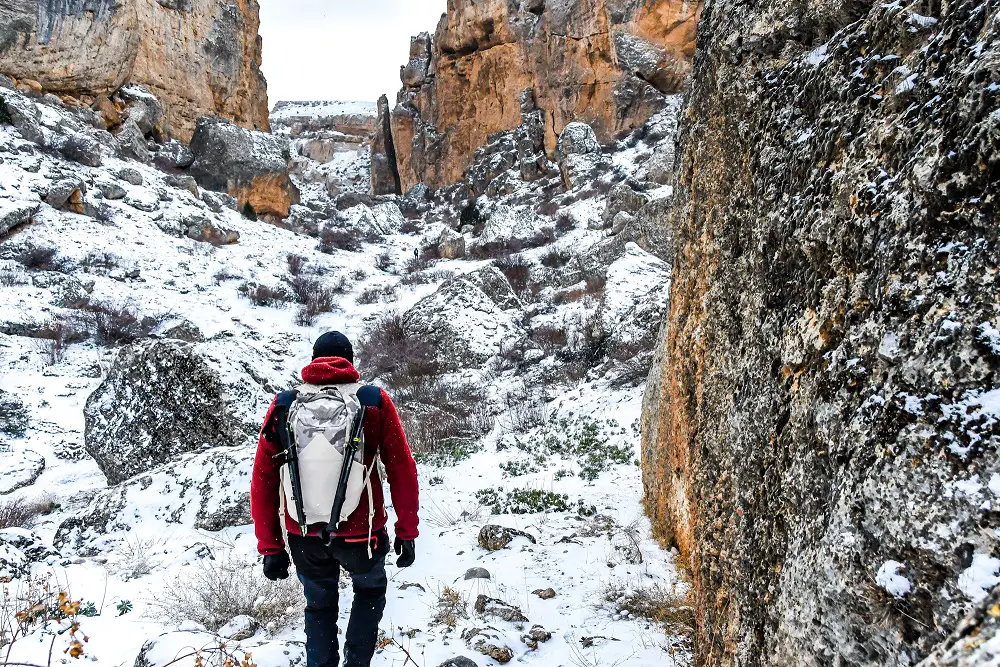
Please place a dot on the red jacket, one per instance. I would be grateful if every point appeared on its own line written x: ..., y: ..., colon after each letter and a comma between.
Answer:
x: 383, y: 435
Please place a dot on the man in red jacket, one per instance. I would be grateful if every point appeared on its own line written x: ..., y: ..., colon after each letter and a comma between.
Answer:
x: 318, y: 563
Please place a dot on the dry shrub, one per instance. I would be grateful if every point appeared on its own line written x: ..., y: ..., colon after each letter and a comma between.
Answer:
x: 120, y: 324
x: 427, y: 277
x: 222, y: 275
x: 555, y: 259
x: 548, y: 207
x: 213, y: 593
x: 377, y: 294
x: 672, y: 610
x: 444, y: 421
x: 452, y: 606
x: 517, y: 270
x: 14, y: 279
x: 335, y: 238
x: 41, y: 258
x: 295, y: 263
x: 550, y: 338
x: 564, y: 224
x: 386, y: 352
x: 264, y: 295
x: 383, y: 261
x: 100, y: 259
x: 20, y: 513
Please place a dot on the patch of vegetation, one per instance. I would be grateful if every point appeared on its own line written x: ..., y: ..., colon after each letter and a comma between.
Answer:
x: 20, y: 513
x: 338, y: 238
x: 452, y: 606
x: 673, y: 610
x: 13, y: 415
x: 264, y: 295
x: 42, y: 258
x: 519, y: 467
x: 378, y: 294
x: 530, y: 501
x: 121, y: 323
x: 587, y: 441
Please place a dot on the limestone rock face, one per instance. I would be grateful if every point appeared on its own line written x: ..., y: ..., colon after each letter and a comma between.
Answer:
x: 251, y: 166
x: 606, y: 62
x: 384, y: 173
x: 820, y: 435
x: 199, y: 57
x: 163, y: 399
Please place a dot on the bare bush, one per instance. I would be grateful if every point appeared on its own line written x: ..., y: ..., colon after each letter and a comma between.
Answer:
x: 555, y: 258
x: 517, y: 270
x: 222, y: 275
x: 14, y: 279
x: 452, y: 606
x: 427, y: 277
x: 383, y: 262
x: 672, y: 609
x: 564, y: 224
x: 20, y: 513
x: 264, y: 295
x: 100, y: 259
x: 338, y: 238
x: 523, y: 411
x: 389, y: 353
x: 213, y: 593
x: 377, y: 294
x: 41, y: 258
x: 550, y: 338
x: 120, y: 324
x: 295, y: 263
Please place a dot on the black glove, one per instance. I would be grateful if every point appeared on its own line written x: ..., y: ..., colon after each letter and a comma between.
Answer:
x: 276, y: 566
x: 406, y: 551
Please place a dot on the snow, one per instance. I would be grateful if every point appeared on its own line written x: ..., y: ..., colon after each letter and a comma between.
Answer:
x: 977, y: 580
x: 159, y: 513
x: 322, y: 108
x: 891, y: 581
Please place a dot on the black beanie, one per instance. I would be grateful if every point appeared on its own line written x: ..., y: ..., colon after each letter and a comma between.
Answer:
x: 333, y: 344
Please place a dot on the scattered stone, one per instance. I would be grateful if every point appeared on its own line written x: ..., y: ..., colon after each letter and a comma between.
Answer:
x: 622, y: 198
x: 545, y: 593
x: 108, y: 111
x: 184, y: 182
x: 145, y: 111
x: 206, y: 231
x: 130, y: 175
x: 218, y: 201
x: 494, y: 538
x: 14, y: 213
x: 144, y: 200
x: 487, y: 606
x: 22, y: 113
x: 33, y: 547
x: 537, y: 635
x: 79, y: 148
x: 178, y: 329
x: 406, y: 586
x: 477, y: 573
x: 13, y: 564
x: 67, y: 193
x: 458, y: 661
x: 110, y: 190
x: 488, y: 642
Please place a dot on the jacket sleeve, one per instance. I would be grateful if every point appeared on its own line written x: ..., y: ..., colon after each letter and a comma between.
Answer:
x: 265, y: 492
x: 400, y: 469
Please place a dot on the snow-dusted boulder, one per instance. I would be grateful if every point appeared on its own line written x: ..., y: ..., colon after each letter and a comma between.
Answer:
x: 165, y: 649
x: 162, y: 399
x: 383, y: 219
x: 208, y: 490
x: 13, y: 563
x: 32, y: 547
x: 451, y: 245
x: 15, y: 212
x: 19, y: 467
x: 623, y: 199
x: 577, y: 139
x: 635, y: 296
x: 468, y: 318
x: 22, y: 113
x: 508, y: 223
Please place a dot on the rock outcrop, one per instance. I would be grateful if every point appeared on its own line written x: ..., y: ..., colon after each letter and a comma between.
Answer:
x: 251, y: 166
x: 199, y: 57
x: 468, y: 319
x: 163, y: 399
x: 606, y: 62
x: 821, y: 434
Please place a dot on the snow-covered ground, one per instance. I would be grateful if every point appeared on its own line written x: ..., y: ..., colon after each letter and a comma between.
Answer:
x: 134, y: 256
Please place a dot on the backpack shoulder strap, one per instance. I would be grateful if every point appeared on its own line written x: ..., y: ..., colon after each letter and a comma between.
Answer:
x: 282, y: 404
x: 370, y: 396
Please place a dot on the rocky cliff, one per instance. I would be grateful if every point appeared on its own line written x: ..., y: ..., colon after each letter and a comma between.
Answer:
x: 821, y: 432
x: 606, y: 62
x: 199, y: 57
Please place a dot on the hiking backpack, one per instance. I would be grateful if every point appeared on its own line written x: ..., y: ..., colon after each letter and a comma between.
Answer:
x: 320, y: 421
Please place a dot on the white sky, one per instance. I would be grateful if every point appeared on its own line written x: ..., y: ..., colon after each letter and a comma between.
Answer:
x: 340, y: 49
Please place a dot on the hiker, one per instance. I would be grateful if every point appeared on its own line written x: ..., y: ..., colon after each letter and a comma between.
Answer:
x: 320, y: 416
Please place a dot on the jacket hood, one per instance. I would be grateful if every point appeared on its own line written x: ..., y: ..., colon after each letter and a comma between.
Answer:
x: 330, y: 370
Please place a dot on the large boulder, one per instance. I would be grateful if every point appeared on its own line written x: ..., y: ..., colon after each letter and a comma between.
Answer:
x: 19, y: 467
x: 15, y: 212
x: 468, y: 319
x: 509, y: 225
x: 22, y: 113
x: 208, y: 490
x: 976, y: 640
x: 251, y: 166
x: 580, y: 156
x: 162, y: 399
x: 635, y: 298
x: 384, y: 175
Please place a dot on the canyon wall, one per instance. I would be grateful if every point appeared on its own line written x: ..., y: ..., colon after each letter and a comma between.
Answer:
x: 821, y: 429
x: 604, y: 62
x: 199, y: 57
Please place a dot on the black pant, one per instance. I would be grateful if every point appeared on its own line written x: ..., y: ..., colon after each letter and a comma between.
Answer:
x: 318, y: 567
